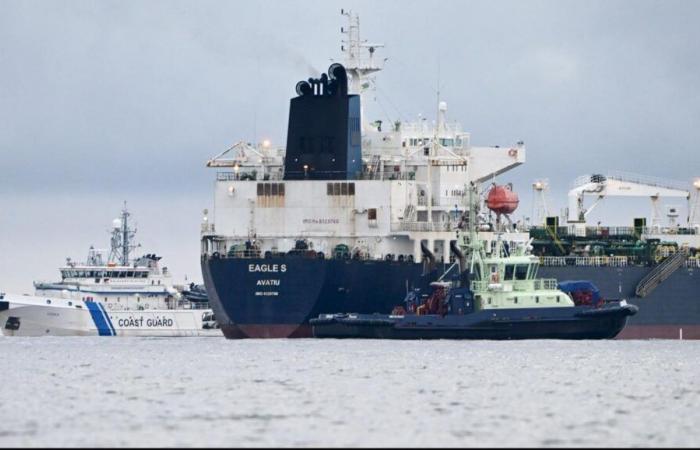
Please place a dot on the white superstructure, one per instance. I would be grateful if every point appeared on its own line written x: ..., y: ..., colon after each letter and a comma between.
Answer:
x: 410, y: 194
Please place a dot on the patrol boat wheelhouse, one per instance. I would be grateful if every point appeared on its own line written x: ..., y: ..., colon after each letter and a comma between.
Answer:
x: 347, y: 217
x: 109, y: 296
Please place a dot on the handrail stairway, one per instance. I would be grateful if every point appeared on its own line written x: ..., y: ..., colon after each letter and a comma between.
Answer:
x: 660, y: 273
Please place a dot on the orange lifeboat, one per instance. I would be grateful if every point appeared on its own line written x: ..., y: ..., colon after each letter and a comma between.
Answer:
x: 502, y: 200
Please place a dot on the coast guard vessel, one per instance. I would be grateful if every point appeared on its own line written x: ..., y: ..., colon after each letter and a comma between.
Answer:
x: 109, y: 295
x: 352, y: 215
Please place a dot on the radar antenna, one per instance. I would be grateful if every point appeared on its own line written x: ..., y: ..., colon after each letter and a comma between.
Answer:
x: 121, y: 242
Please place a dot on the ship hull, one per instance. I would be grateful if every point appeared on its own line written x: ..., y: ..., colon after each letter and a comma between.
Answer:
x: 25, y: 316
x: 502, y: 324
x: 276, y: 298
x: 671, y: 311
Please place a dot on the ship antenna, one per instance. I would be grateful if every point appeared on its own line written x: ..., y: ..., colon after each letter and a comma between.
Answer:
x: 121, y: 241
x: 357, y: 66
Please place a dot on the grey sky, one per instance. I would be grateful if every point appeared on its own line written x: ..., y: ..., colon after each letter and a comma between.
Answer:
x: 104, y: 101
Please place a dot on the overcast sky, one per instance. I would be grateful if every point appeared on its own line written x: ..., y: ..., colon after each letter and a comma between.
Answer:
x: 106, y: 101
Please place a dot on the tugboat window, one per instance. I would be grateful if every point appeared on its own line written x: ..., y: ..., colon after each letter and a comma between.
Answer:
x: 521, y: 272
x: 509, y: 272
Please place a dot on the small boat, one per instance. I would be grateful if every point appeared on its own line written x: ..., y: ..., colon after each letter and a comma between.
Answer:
x: 491, y: 296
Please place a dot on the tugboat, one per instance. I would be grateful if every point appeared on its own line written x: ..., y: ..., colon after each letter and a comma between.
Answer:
x: 496, y: 296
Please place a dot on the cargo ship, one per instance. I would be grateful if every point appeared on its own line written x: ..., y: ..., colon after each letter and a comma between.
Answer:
x: 352, y: 215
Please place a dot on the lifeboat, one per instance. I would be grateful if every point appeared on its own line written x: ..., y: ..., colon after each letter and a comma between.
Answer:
x: 502, y: 199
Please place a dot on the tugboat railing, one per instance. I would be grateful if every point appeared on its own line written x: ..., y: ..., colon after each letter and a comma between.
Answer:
x: 539, y: 284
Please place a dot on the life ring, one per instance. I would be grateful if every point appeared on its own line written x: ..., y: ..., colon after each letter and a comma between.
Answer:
x: 512, y: 152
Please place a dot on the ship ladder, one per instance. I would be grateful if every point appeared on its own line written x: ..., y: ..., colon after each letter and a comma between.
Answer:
x: 409, y: 212
x: 660, y: 273
x: 374, y: 168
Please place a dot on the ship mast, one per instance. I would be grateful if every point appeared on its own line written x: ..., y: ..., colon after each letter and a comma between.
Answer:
x: 121, y: 242
x: 357, y: 66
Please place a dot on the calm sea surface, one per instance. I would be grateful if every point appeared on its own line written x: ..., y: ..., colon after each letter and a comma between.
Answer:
x: 213, y: 392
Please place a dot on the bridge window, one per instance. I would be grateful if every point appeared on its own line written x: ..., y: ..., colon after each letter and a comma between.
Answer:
x: 521, y: 272
x: 509, y: 272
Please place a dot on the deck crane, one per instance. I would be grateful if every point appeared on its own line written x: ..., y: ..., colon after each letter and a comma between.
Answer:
x: 618, y: 184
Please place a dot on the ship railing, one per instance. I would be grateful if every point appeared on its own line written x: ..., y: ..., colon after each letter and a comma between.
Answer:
x: 660, y: 273
x: 187, y: 304
x: 552, y: 261
x: 538, y: 284
x: 545, y: 284
x: 692, y: 263
x: 595, y: 261
x: 421, y: 226
x: 589, y: 232
x: 540, y: 232
x: 585, y: 261
x: 368, y: 174
x: 629, y: 178
x: 208, y: 228
x: 251, y: 175
x: 252, y: 253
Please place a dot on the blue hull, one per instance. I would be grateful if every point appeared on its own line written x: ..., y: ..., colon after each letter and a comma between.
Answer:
x: 277, y: 297
x: 526, y: 323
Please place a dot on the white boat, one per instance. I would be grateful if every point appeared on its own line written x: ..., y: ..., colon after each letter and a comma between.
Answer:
x: 108, y: 296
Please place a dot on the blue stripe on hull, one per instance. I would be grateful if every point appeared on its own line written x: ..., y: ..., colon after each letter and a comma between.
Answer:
x: 98, y: 318
x: 109, y: 321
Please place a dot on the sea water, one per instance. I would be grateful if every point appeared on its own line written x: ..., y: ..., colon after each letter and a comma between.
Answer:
x: 214, y: 392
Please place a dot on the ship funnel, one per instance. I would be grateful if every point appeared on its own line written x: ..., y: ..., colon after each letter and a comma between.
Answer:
x: 323, y: 136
